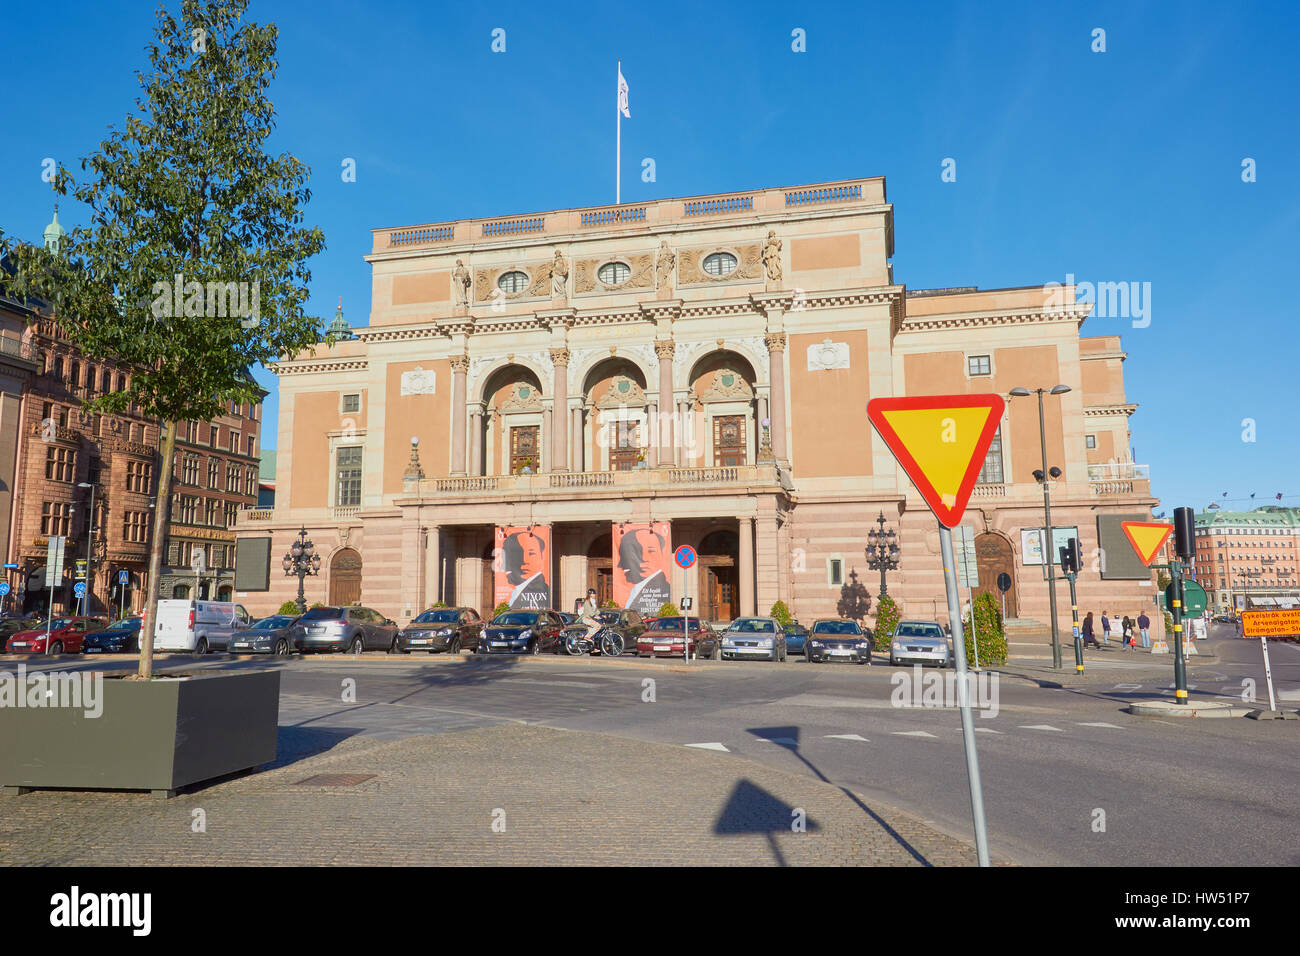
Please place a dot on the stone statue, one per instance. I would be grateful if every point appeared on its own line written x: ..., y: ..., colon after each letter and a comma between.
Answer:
x: 664, y: 267
x: 460, y: 280
x: 772, y: 255
x: 559, y: 275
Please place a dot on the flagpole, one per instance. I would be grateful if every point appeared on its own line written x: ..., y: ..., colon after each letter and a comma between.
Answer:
x: 618, y: 141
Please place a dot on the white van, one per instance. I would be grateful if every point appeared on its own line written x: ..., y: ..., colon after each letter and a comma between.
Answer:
x: 198, y: 626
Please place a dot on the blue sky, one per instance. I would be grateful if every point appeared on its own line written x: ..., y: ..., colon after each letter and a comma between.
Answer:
x: 1115, y: 166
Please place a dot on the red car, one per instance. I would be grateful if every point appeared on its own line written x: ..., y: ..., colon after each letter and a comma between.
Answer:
x: 663, y: 638
x: 65, y: 636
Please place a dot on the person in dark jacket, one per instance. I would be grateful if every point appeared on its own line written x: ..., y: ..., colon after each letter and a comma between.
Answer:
x: 1144, y: 626
x: 1088, y: 636
x: 1127, y: 630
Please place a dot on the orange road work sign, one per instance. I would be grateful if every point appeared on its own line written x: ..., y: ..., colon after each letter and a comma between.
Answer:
x: 941, y: 442
x: 1147, y: 537
x: 1270, y: 623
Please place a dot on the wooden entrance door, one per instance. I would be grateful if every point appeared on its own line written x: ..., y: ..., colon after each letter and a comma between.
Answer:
x: 994, y: 556
x: 345, y: 577
x: 722, y: 600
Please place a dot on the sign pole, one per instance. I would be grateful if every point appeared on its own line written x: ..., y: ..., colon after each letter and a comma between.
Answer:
x: 1180, y: 666
x: 1268, y: 673
x: 974, y: 634
x: 963, y: 695
x: 1078, y: 639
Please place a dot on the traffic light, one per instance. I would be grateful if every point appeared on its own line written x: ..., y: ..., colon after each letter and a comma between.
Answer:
x: 1184, y: 533
x: 1070, y: 556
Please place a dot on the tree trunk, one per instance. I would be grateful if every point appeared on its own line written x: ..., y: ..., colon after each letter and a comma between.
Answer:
x: 161, y: 522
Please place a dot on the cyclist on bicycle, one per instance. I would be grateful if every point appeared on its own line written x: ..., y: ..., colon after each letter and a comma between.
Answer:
x: 587, y: 616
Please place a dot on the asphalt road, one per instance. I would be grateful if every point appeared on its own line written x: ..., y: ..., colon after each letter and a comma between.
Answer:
x: 1069, y: 777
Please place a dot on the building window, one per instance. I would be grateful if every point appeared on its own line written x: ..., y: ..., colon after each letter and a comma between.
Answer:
x: 513, y: 282
x: 56, y: 518
x: 212, y: 513
x: 978, y: 365
x: 525, y: 448
x: 250, y: 483
x: 1090, y: 441
x: 60, y: 464
x: 181, y: 592
x: 351, y: 403
x: 139, y: 475
x: 835, y: 572
x: 729, y: 441
x: 134, y: 525
x: 627, y: 446
x: 991, y: 473
x: 614, y: 273
x: 214, y: 473
x: 63, y: 418
x: 720, y: 263
x: 252, y: 447
x: 232, y: 514
x: 348, y: 472
x: 234, y: 442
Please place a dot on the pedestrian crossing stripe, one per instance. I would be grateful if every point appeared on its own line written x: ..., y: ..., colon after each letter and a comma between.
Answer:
x: 912, y: 733
x: 849, y: 737
x: 1100, y: 723
x: 1041, y: 727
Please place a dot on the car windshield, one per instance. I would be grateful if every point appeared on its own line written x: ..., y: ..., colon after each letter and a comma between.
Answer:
x: 607, y: 617
x: 836, y: 627
x: 129, y: 624
x: 438, y: 617
x: 920, y: 630
x: 674, y: 624
x: 515, y: 618
x: 59, y: 624
x: 272, y: 623
x: 323, y: 614
x: 753, y: 626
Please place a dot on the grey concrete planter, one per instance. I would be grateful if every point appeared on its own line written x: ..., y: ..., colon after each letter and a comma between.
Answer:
x: 154, y: 735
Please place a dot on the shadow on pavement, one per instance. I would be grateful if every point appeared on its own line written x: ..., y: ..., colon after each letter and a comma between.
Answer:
x: 788, y: 737
x: 751, y: 809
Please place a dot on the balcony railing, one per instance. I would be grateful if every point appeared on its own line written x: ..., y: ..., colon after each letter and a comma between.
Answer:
x: 1119, y: 470
x: 990, y: 491
x: 632, y: 480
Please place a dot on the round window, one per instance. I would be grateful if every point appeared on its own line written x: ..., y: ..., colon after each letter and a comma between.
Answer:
x: 513, y: 282
x: 720, y: 263
x: 614, y: 273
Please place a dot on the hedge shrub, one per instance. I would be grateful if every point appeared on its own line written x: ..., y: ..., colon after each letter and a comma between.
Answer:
x: 781, y: 614
x: 289, y: 607
x: 988, y: 630
x: 888, y: 615
x: 669, y: 609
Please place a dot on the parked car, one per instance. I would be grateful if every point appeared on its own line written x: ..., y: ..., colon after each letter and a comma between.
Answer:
x: 450, y: 629
x: 271, y: 635
x: 353, y: 629
x: 197, y: 627
x: 921, y: 642
x: 65, y: 635
x: 833, y: 639
x: 625, y: 623
x: 11, y: 624
x: 523, y: 632
x: 758, y: 637
x: 121, y: 637
x: 567, y: 618
x: 666, y: 636
x: 795, y: 635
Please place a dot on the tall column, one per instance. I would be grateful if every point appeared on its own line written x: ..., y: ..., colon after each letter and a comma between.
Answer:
x: 560, y: 435
x: 776, y: 402
x: 652, y: 441
x: 767, y: 563
x: 746, y: 562
x: 548, y: 453
x: 433, y: 565
x: 459, y: 366
x: 575, y: 423
x: 679, y: 448
x: 476, y: 439
x: 664, y: 432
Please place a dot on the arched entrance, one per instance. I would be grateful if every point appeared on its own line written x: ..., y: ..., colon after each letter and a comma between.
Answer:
x: 345, y: 577
x: 600, y: 568
x: 719, y: 575
x: 994, y: 556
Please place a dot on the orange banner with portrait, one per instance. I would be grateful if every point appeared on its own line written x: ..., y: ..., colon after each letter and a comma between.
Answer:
x: 643, y: 557
x: 522, y: 567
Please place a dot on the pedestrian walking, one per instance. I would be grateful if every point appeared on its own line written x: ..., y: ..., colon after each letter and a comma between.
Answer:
x: 1088, y: 636
x: 1144, y: 626
x: 1127, y: 630
x: 1105, y: 628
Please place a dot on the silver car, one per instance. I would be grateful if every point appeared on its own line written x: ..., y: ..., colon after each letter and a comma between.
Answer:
x: 919, y: 642
x: 761, y: 638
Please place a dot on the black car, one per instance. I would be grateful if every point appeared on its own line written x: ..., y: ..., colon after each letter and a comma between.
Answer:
x: 450, y: 629
x: 832, y: 639
x: 122, y: 637
x: 271, y: 635
x: 523, y: 632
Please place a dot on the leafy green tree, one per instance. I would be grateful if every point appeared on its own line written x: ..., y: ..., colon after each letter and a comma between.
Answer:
x: 184, y: 194
x: 501, y: 608
x: 991, y: 638
x: 289, y: 607
x: 781, y: 614
x: 609, y: 605
x: 669, y: 609
x: 888, y: 615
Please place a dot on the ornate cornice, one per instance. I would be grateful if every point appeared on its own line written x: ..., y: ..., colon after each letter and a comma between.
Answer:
x: 305, y: 367
x: 1099, y: 411
x: 932, y: 323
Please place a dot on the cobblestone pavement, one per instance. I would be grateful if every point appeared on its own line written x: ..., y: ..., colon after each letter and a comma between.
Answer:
x: 564, y: 797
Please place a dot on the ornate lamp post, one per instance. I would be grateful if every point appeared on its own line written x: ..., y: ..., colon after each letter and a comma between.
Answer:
x: 301, y: 560
x: 882, y: 550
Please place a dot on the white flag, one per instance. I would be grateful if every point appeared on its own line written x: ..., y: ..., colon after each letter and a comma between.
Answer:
x: 622, y: 95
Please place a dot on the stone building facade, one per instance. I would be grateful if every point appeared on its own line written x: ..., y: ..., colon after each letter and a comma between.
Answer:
x: 704, y: 362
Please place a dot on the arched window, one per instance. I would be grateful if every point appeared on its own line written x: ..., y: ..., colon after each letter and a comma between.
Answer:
x: 513, y: 282
x: 181, y: 591
x: 719, y: 263
x: 614, y: 273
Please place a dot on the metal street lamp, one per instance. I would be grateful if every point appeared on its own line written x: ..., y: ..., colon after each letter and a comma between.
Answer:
x: 882, y: 551
x: 90, y: 537
x: 302, y: 560
x: 1041, y: 476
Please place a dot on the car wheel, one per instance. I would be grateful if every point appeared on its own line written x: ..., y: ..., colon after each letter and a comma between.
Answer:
x: 535, y: 648
x: 357, y: 646
x: 282, y: 648
x: 393, y: 648
x: 56, y: 648
x: 455, y: 646
x: 201, y: 647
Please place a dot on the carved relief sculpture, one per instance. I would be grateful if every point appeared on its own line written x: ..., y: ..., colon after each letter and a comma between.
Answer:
x: 559, y: 276
x: 664, y: 268
x: 419, y: 381
x: 828, y: 355
x: 460, y: 283
x: 772, y: 256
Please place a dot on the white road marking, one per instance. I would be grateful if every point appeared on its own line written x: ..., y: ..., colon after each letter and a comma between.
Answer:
x: 783, y: 741
x: 1099, y: 723
x: 912, y: 733
x: 849, y: 737
x: 712, y: 746
x: 1128, y: 686
x: 1041, y: 727
x: 988, y: 730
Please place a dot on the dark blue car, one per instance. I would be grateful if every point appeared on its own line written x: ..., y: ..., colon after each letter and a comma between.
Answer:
x: 122, y: 637
x: 795, y: 636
